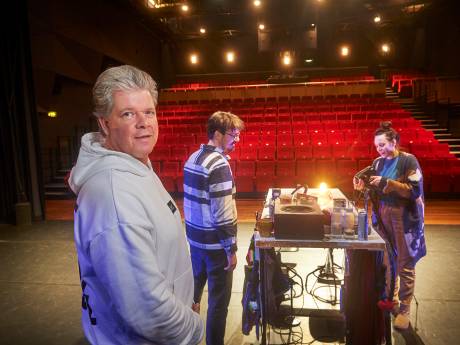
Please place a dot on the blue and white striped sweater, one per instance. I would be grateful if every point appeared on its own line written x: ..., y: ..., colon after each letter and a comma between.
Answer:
x: 209, y: 200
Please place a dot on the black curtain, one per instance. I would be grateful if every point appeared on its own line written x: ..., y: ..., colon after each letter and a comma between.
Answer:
x: 20, y: 166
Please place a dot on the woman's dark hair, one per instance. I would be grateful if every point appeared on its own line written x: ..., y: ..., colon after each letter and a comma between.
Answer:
x: 390, y: 133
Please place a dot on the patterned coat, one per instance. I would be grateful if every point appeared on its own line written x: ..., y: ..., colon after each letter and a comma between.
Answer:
x: 406, y: 191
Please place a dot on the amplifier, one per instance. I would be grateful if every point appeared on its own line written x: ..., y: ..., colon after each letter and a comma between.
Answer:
x: 301, y: 222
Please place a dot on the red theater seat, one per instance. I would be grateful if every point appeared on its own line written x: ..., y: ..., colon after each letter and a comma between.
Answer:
x: 303, y: 152
x: 179, y: 153
x: 285, y: 153
x: 284, y: 140
x: 341, y: 150
x: 285, y: 169
x: 168, y: 175
x: 248, y: 153
x: 265, y: 175
x: 266, y: 153
x: 160, y: 153
x: 322, y: 151
x: 306, y: 170
x: 283, y: 129
x: 346, y: 169
x: 326, y: 171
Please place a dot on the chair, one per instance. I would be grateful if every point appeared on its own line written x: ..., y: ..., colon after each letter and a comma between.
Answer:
x: 266, y: 153
x: 248, y: 153
x: 322, y: 151
x: 285, y: 152
x: 305, y: 171
x: 265, y: 175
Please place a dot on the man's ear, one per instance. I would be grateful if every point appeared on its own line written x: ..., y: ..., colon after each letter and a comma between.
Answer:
x: 104, y: 128
x: 217, y: 135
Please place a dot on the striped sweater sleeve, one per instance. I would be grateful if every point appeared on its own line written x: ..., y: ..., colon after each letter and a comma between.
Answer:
x: 223, y: 210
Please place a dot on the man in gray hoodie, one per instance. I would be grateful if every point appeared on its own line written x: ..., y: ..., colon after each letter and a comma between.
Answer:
x: 135, y: 267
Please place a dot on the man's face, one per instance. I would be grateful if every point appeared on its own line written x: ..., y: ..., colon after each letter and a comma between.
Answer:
x: 229, y: 140
x: 385, y: 148
x: 132, y: 125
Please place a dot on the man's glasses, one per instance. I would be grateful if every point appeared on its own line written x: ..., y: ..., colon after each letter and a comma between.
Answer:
x: 234, y: 136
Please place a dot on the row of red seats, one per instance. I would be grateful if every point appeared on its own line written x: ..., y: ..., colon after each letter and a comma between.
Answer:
x: 300, y: 127
x: 283, y: 112
x: 343, y: 78
x: 336, y: 105
x: 206, y: 84
x: 269, y: 152
x: 259, y: 176
x: 391, y: 115
x: 304, y: 167
x: 282, y: 100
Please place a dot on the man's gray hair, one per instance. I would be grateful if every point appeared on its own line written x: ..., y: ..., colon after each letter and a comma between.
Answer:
x: 121, y: 78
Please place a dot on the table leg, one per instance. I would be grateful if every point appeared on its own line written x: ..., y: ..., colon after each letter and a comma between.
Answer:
x: 263, y: 295
x: 364, y: 320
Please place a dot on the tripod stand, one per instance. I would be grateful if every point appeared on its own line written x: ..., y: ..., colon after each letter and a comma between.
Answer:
x: 325, y: 274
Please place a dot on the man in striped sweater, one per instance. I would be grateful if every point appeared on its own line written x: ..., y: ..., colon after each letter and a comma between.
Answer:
x: 210, y: 219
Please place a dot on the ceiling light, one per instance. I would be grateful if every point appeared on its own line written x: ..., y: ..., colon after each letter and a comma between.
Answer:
x: 230, y: 56
x: 184, y: 8
x: 344, y: 51
x: 151, y: 3
x: 309, y: 60
x: 312, y: 25
x: 193, y: 59
x: 286, y: 59
x: 261, y: 26
x: 202, y: 30
x: 257, y: 3
x: 52, y: 114
x: 377, y: 19
x: 385, y: 48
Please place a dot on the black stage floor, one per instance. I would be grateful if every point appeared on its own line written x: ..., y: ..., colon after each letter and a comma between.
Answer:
x: 40, y: 295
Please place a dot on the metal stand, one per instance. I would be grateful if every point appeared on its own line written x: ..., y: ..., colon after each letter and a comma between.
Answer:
x: 325, y: 274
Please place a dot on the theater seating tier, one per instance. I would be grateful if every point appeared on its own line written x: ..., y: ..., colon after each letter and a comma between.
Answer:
x: 286, y: 143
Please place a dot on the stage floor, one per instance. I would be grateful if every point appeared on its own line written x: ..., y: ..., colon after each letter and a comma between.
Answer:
x: 440, y: 212
x: 40, y: 294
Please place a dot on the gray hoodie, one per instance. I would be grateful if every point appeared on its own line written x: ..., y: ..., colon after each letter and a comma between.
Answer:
x: 135, y: 267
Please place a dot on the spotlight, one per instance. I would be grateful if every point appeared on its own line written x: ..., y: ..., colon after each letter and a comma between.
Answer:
x: 308, y: 60
x: 151, y: 3
x: 193, y: 59
x: 230, y: 57
x: 377, y: 19
x: 257, y: 3
x: 344, y: 51
x: 202, y: 30
x: 312, y: 25
x: 185, y: 8
x: 52, y: 114
x: 261, y: 26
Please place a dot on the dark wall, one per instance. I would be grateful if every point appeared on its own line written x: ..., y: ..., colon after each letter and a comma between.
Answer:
x: 443, y: 38
x: 72, y: 42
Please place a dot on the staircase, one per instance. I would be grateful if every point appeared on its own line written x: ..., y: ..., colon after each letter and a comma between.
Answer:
x: 56, y: 189
x: 427, y: 120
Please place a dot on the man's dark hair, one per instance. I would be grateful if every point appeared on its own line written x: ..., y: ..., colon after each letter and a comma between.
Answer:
x: 223, y: 122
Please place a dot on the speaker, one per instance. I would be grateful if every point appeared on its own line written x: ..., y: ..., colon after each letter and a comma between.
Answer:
x: 263, y: 41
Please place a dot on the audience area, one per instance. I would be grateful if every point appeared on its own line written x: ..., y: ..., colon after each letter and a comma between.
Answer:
x: 300, y: 140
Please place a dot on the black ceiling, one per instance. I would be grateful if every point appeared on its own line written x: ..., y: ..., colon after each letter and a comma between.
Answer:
x: 229, y: 18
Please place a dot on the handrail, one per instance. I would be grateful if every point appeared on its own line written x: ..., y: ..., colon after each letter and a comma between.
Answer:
x: 315, y: 83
